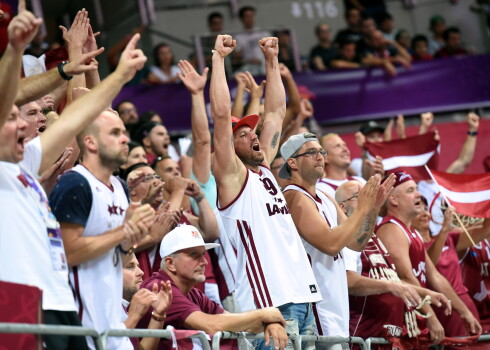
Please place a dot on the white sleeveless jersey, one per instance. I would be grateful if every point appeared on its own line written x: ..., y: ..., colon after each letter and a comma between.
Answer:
x: 226, y: 255
x: 329, y: 186
x: 271, y: 261
x: 332, y: 313
x: 98, y: 283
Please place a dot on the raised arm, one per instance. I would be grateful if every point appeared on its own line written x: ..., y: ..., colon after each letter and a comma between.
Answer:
x: 21, y: 30
x: 75, y: 38
x: 275, y: 100
x: 227, y: 168
x: 201, y: 137
x: 435, y: 250
x: 294, y: 98
x: 477, y: 234
x: 313, y: 227
x: 468, y: 150
x: 77, y: 116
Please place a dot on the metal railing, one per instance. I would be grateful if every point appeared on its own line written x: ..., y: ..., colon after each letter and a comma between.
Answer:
x: 100, y: 340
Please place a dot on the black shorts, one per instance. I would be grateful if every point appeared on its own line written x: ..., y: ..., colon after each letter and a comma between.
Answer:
x: 63, y: 342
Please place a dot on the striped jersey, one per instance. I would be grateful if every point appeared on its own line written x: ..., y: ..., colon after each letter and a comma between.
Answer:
x: 332, y: 313
x: 272, y: 265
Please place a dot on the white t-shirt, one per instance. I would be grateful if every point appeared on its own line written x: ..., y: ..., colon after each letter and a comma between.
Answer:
x: 160, y: 74
x: 352, y: 260
x: 25, y: 248
x: 329, y: 186
x: 272, y: 265
x: 333, y: 310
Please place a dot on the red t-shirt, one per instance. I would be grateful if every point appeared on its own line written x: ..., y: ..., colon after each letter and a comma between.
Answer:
x: 183, y: 305
x: 448, y: 266
x: 376, y: 315
x: 474, y: 267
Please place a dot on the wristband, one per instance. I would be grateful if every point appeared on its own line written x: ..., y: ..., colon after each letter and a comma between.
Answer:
x: 157, y: 317
x: 62, y: 72
x: 472, y: 133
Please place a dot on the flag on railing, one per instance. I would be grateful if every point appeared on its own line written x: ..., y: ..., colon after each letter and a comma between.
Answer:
x: 469, y: 194
x: 409, y: 155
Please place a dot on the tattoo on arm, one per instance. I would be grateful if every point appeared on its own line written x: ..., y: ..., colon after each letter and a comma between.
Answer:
x: 366, y: 229
x: 361, y: 239
x: 275, y: 139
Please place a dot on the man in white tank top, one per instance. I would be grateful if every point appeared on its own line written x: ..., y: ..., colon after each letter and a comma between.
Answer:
x: 337, y: 162
x: 96, y: 225
x: 325, y: 229
x: 272, y: 265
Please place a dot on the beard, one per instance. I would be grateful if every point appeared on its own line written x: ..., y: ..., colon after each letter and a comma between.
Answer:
x: 128, y: 293
x: 112, y: 160
x: 253, y: 160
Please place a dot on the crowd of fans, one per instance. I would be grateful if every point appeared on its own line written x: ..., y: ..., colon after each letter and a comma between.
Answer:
x: 264, y: 227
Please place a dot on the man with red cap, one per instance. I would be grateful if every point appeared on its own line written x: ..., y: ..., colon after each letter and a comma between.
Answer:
x: 406, y: 248
x: 273, y: 268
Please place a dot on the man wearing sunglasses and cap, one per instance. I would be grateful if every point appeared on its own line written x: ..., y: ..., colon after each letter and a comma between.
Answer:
x: 272, y: 265
x: 325, y: 229
x: 183, y: 263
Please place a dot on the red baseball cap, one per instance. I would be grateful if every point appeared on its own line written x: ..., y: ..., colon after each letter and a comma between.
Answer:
x: 249, y: 120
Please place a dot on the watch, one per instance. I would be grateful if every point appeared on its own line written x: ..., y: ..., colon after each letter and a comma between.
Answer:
x: 62, y: 72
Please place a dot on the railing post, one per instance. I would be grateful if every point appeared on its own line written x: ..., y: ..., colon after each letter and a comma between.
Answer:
x: 216, y: 340
x: 296, y: 339
x: 203, y: 339
x: 101, y: 343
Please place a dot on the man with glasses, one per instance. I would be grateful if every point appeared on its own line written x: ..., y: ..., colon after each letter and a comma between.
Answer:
x: 325, y: 229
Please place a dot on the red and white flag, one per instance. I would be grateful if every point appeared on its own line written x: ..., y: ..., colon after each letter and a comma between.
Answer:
x: 409, y: 155
x: 468, y: 194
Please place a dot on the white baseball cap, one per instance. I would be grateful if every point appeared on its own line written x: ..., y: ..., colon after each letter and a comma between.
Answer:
x: 289, y: 147
x: 183, y: 237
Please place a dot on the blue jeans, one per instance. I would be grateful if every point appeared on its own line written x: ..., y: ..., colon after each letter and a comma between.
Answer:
x: 299, y: 320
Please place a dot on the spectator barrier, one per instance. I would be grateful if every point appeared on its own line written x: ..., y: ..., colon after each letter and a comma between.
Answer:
x: 101, y: 339
x: 357, y: 94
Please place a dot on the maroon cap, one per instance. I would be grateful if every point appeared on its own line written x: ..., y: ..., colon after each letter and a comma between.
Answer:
x: 401, y: 177
x: 249, y: 120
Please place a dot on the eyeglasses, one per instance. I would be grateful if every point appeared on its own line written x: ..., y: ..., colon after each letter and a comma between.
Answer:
x: 149, y: 177
x: 313, y: 153
x: 354, y: 197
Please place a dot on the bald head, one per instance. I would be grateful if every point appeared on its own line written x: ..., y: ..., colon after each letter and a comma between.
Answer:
x: 93, y: 128
x: 346, y: 196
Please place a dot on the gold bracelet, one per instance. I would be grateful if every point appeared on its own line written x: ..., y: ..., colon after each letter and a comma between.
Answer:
x: 158, y: 317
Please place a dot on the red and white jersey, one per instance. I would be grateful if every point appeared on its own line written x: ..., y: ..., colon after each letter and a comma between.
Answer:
x: 416, y: 250
x: 226, y: 257
x: 377, y: 315
x: 476, y: 277
x: 98, y: 283
x: 329, y: 186
x: 332, y: 313
x: 271, y: 260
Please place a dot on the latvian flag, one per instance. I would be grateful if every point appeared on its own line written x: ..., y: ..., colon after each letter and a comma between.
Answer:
x: 468, y: 194
x: 409, y: 155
